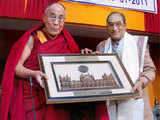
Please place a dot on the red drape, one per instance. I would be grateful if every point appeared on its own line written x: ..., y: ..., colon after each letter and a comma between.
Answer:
x: 152, y: 21
x: 32, y: 9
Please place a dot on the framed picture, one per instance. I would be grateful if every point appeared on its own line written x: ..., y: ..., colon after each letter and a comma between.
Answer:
x: 84, y: 78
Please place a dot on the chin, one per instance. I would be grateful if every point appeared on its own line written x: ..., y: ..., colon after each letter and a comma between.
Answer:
x: 116, y: 38
x: 54, y: 33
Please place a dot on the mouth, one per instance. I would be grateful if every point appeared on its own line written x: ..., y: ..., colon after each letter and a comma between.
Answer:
x: 55, y: 29
x: 115, y: 33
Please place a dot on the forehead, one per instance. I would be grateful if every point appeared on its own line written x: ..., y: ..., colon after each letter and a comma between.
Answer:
x: 115, y: 18
x: 56, y: 9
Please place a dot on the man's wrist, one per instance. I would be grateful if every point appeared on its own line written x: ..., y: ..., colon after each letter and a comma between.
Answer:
x: 143, y: 81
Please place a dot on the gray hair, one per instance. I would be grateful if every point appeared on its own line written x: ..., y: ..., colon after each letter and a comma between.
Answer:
x: 122, y: 16
x: 50, y: 5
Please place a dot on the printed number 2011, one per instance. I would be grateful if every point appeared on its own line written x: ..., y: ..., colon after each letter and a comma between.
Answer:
x: 137, y: 2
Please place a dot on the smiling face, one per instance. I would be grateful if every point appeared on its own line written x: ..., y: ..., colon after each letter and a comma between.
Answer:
x: 54, y: 19
x: 116, y: 27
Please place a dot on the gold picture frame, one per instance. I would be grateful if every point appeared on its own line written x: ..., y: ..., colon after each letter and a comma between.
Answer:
x: 85, y: 78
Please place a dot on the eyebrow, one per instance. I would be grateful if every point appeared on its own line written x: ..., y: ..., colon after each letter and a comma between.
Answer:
x: 53, y: 14
x: 115, y: 21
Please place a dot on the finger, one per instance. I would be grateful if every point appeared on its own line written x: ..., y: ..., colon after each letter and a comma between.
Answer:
x: 140, y: 92
x: 82, y: 51
x: 137, y: 97
x: 97, y: 52
x: 39, y: 79
x: 134, y: 88
x: 89, y: 51
x: 44, y: 75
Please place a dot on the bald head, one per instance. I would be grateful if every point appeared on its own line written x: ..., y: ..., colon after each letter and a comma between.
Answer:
x: 120, y: 14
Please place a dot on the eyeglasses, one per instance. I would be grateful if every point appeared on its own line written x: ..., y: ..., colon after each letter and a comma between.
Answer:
x: 117, y: 24
x: 54, y: 18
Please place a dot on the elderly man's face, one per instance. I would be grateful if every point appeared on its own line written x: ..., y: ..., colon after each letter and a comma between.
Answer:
x: 54, y: 20
x: 115, y: 27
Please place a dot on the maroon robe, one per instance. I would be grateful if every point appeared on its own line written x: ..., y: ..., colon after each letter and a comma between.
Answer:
x: 43, y: 111
x: 16, y: 97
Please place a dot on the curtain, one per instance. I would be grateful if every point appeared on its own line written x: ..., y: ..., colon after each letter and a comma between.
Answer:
x: 30, y: 9
x: 152, y: 21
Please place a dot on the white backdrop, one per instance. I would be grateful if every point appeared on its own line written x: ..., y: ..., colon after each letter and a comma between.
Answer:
x: 139, y: 5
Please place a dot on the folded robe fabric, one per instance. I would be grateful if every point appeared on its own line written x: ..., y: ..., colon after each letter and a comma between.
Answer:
x: 8, y: 75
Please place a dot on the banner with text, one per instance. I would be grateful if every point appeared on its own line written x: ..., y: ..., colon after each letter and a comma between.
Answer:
x: 139, y: 5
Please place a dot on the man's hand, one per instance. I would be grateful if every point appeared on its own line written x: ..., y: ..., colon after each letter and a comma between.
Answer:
x: 88, y: 51
x: 38, y: 75
x: 138, y: 87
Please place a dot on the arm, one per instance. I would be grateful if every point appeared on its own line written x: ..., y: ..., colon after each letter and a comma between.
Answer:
x: 148, y: 74
x: 23, y: 72
x: 101, y: 46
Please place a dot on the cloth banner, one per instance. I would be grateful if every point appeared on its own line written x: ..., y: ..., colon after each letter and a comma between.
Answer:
x: 139, y: 5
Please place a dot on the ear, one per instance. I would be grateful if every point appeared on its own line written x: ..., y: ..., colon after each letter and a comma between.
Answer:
x: 43, y: 19
x: 107, y: 28
x: 125, y: 25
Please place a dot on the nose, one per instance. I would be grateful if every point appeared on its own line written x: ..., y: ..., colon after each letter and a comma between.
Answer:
x: 56, y: 21
x: 115, y: 27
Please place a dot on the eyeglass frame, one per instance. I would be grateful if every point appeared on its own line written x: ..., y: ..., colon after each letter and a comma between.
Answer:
x: 117, y: 24
x: 59, y: 18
